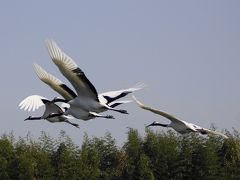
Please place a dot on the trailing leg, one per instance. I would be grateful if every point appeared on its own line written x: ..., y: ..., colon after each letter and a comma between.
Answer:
x: 74, y: 124
x: 94, y: 114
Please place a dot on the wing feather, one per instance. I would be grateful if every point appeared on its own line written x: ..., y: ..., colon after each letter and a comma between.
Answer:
x: 54, y: 83
x: 31, y: 103
x: 110, y: 96
x: 117, y: 103
x: 71, y: 71
x: 208, y: 131
x: 156, y: 111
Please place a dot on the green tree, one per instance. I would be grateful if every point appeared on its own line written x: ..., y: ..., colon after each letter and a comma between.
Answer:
x: 212, y: 165
x: 64, y: 159
x: 157, y: 155
x: 108, y: 155
x: 138, y: 165
x: 162, y: 149
x: 230, y: 154
x: 43, y: 167
x: 6, y: 158
x: 89, y: 161
x: 24, y: 163
x: 188, y: 144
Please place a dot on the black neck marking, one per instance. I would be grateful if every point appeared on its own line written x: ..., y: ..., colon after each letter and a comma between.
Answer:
x: 45, y: 101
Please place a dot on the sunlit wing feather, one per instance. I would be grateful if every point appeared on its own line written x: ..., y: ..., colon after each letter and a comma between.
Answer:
x: 54, y: 83
x: 156, y: 111
x: 71, y: 71
x: 31, y: 103
x: 110, y: 96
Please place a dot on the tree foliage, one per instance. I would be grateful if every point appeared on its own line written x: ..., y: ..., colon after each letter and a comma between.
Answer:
x: 156, y: 155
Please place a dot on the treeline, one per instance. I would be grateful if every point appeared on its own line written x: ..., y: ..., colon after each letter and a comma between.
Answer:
x: 156, y: 155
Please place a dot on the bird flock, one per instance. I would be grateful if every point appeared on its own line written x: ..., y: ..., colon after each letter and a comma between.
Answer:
x: 84, y: 102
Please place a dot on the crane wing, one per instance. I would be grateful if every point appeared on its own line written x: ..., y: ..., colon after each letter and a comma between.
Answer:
x: 31, y: 103
x: 162, y: 113
x: 117, y: 103
x: 71, y: 71
x: 208, y: 131
x: 110, y: 96
x: 54, y: 83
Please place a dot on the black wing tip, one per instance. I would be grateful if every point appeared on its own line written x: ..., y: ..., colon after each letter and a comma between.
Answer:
x: 70, y: 91
x: 78, y: 71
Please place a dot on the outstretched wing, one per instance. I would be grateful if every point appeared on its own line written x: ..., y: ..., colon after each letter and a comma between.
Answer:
x: 31, y: 103
x: 208, y: 131
x: 111, y: 96
x: 71, y: 71
x: 162, y: 113
x: 117, y: 103
x: 54, y: 83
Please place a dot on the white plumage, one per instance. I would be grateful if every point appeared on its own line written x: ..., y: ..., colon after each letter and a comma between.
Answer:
x: 177, y: 124
x: 108, y: 98
x: 87, y: 96
x: 31, y: 103
x: 67, y: 93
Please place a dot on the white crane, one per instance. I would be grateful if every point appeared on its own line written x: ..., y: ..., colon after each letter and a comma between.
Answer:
x: 107, y: 98
x: 87, y: 97
x: 68, y: 95
x: 178, y: 125
x: 33, y: 102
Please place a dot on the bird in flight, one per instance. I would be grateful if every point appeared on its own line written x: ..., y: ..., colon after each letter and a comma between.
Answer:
x: 87, y: 96
x: 33, y: 102
x: 178, y: 125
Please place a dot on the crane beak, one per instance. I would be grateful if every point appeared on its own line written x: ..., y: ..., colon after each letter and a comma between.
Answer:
x: 150, y: 125
x: 28, y: 118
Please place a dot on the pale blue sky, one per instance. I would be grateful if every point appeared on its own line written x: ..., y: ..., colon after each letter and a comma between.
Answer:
x: 187, y: 52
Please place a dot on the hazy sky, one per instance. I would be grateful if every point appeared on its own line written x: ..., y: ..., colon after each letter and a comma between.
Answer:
x: 187, y: 52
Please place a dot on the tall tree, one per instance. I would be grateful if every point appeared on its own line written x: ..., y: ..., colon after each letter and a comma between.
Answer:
x: 89, y: 161
x: 162, y: 149
x: 138, y: 165
x: 230, y: 154
x: 6, y: 157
